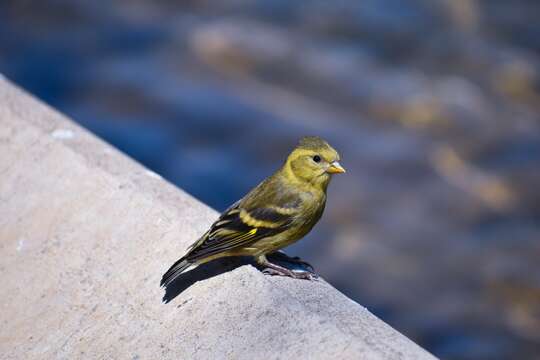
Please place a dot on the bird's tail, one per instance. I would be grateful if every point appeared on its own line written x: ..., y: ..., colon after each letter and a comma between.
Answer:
x: 179, y: 267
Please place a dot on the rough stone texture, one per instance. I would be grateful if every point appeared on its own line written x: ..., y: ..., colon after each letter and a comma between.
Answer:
x: 85, y: 234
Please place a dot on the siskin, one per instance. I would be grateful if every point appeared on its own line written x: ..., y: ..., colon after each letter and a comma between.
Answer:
x: 278, y: 212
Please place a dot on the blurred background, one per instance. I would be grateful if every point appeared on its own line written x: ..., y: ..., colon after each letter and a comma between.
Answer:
x: 433, y: 104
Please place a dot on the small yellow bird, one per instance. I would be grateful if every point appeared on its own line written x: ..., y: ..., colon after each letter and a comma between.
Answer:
x: 278, y: 212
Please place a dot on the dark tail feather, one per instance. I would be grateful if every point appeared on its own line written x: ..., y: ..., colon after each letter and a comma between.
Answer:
x: 178, y: 268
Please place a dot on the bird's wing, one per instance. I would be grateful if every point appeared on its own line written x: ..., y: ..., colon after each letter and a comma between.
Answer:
x: 241, y: 225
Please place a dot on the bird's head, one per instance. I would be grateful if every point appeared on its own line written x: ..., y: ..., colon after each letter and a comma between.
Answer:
x: 313, y: 161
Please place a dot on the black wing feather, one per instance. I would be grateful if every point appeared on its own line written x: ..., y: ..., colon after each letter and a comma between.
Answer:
x: 230, y: 232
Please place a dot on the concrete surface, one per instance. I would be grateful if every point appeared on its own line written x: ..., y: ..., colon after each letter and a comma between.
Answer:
x: 85, y: 235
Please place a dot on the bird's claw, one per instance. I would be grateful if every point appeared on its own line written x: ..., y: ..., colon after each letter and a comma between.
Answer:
x: 305, y: 275
x: 272, y: 272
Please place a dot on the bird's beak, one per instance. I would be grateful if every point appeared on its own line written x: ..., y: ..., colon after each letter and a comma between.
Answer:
x: 335, y: 168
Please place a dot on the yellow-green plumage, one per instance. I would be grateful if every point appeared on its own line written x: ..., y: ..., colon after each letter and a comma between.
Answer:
x: 278, y: 212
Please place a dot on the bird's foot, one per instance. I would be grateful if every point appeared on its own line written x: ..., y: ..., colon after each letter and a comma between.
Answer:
x: 274, y: 272
x: 305, y: 275
x: 280, y: 255
x: 274, y: 269
x: 281, y: 271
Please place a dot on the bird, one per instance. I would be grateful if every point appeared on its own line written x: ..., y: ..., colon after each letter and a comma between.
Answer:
x: 279, y: 211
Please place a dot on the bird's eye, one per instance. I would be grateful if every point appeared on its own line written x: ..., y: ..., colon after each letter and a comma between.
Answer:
x: 317, y: 158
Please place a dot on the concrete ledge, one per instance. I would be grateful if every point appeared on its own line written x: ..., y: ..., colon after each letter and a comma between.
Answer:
x: 85, y: 235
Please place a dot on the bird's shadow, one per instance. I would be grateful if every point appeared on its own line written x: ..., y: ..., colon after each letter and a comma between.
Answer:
x: 220, y: 266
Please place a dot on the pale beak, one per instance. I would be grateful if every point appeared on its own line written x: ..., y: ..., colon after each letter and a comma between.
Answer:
x: 335, y: 168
